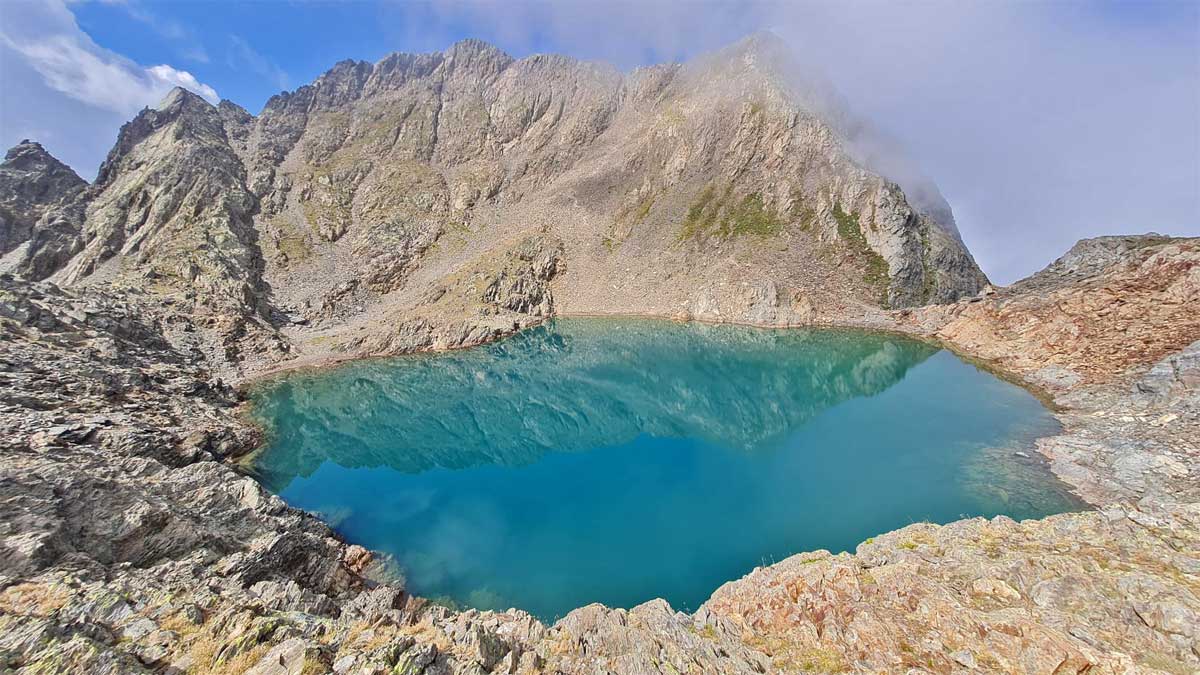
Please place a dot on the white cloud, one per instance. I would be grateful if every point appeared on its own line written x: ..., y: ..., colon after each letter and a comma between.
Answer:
x: 166, y: 78
x: 47, y: 38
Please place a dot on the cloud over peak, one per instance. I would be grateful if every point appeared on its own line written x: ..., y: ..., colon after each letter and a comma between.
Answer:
x: 46, y: 38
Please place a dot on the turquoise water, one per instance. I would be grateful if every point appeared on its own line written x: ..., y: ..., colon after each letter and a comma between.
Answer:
x: 617, y: 461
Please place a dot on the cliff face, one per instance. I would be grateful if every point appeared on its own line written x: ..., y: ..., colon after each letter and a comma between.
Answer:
x: 1070, y: 322
x: 704, y: 187
x: 31, y: 183
x: 39, y: 216
x: 726, y: 188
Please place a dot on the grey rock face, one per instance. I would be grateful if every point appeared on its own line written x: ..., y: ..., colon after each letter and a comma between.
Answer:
x: 171, y: 201
x: 1177, y: 374
x: 501, y: 292
x: 31, y: 183
x: 41, y: 212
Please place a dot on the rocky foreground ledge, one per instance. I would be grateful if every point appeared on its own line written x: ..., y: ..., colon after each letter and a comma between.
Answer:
x: 129, y: 543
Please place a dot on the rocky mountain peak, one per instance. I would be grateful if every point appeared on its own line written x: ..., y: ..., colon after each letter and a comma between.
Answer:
x: 170, y: 210
x: 340, y: 84
x: 231, y: 109
x: 764, y: 46
x: 763, y: 65
x: 179, y: 98
x: 761, y: 55
x: 472, y: 50
x: 192, y: 116
x: 32, y: 182
x: 30, y: 156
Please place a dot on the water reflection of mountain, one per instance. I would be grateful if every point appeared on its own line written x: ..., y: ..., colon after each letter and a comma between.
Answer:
x: 571, y: 385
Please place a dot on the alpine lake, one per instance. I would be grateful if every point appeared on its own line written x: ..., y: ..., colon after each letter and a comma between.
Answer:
x: 621, y: 460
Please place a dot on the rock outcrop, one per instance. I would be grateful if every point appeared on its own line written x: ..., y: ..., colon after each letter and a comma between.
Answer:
x: 501, y: 292
x: 1064, y: 594
x: 1109, y: 332
x: 1072, y: 322
x: 40, y: 213
x: 169, y: 211
x: 31, y: 183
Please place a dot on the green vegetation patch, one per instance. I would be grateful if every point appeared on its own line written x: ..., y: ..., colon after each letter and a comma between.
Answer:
x: 643, y: 209
x: 751, y: 217
x: 722, y: 215
x: 801, y: 212
x: 876, y: 274
x: 628, y: 217
x: 929, y: 274
x: 295, y: 248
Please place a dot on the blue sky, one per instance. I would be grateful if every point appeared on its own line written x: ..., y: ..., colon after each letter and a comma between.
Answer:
x: 1041, y: 122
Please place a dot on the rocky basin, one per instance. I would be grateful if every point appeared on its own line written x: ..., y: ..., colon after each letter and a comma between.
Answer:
x: 131, y: 542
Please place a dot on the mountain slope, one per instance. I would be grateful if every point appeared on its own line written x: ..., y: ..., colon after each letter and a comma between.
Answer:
x: 726, y: 189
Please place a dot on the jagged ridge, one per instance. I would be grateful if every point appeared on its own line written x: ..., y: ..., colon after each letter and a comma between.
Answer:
x: 721, y: 188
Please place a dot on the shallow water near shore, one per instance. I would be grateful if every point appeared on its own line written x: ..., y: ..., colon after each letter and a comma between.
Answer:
x: 620, y: 460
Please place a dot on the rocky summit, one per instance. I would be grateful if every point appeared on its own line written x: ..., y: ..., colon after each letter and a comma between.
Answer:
x: 442, y: 200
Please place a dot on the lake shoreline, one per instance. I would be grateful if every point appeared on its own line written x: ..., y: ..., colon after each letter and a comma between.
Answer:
x: 210, y: 568
x: 747, y: 390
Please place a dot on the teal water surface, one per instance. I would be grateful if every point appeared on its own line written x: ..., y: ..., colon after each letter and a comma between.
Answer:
x: 616, y: 461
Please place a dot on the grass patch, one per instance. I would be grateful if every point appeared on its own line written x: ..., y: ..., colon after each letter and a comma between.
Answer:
x: 313, y: 667
x: 294, y: 247
x: 673, y: 115
x: 928, y: 273
x: 643, y: 209
x: 720, y: 214
x: 751, y: 217
x: 822, y: 661
x: 37, y: 599
x: 628, y: 217
x: 876, y: 273
x: 786, y: 656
